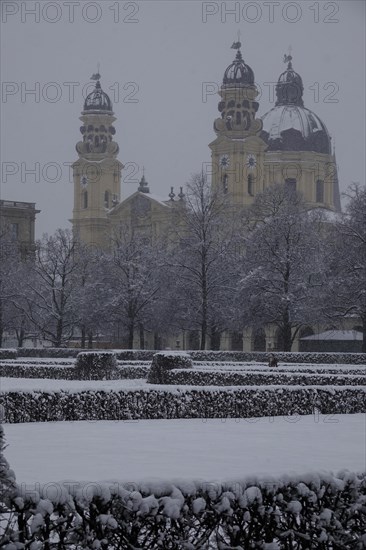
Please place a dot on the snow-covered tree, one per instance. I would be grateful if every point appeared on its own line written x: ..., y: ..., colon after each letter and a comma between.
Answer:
x: 134, y: 281
x: 51, y: 290
x: 283, y: 266
x: 202, y: 264
x: 346, y: 294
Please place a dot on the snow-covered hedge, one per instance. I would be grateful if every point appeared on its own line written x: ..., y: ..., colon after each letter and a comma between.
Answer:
x: 197, y: 377
x: 175, y: 402
x: 66, y: 372
x: 8, y: 353
x: 163, y: 362
x: 282, y: 356
x: 96, y: 365
x: 315, y: 511
x: 54, y: 353
x: 238, y: 356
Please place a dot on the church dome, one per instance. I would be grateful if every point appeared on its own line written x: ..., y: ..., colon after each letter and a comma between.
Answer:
x: 238, y: 73
x: 98, y: 100
x: 294, y: 128
x: 289, y: 126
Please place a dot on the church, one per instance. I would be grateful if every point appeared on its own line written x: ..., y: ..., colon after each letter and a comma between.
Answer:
x: 289, y: 144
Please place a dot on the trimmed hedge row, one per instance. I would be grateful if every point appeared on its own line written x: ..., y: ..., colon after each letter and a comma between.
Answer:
x: 67, y: 372
x: 244, y: 402
x: 320, y: 511
x: 163, y: 363
x: 194, y: 377
x: 53, y: 353
x: 8, y: 353
x: 281, y: 356
x: 238, y: 356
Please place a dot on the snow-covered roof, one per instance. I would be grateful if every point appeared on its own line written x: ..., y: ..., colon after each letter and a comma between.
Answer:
x: 335, y: 335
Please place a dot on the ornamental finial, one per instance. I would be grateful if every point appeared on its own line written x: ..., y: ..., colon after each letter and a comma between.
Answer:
x: 237, y: 45
x: 287, y: 58
x: 96, y: 76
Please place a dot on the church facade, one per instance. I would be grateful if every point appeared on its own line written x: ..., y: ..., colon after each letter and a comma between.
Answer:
x: 289, y: 144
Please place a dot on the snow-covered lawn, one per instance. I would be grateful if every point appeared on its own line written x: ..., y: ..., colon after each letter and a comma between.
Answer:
x: 75, y: 386
x: 185, y: 449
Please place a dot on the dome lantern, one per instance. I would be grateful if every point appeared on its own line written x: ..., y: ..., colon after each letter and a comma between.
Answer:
x: 289, y: 87
x: 238, y: 73
x: 97, y: 101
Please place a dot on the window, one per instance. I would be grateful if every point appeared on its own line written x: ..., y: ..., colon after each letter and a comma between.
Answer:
x: 251, y: 185
x: 85, y: 199
x: 225, y: 183
x: 238, y: 118
x: 319, y: 191
x: 14, y: 231
x: 106, y: 199
x: 290, y: 185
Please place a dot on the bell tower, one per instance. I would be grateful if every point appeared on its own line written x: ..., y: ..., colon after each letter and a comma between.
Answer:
x: 238, y: 152
x: 97, y: 172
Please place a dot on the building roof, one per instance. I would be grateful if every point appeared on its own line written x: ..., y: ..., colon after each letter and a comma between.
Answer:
x: 339, y: 335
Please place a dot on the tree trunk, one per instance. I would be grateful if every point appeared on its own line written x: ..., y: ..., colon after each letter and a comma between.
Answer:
x: 1, y: 325
x: 90, y: 340
x: 131, y: 332
x: 20, y: 336
x: 59, y: 330
x: 286, y: 331
x: 142, y: 336
x: 83, y: 337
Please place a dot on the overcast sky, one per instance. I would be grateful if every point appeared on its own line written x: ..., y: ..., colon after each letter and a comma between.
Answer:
x: 156, y: 61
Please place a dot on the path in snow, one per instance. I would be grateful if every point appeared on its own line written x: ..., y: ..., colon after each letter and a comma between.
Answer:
x: 214, y: 449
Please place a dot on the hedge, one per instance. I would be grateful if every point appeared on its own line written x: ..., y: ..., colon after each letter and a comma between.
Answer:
x: 67, y: 372
x: 8, y: 353
x: 282, y: 356
x: 164, y: 362
x: 174, y: 402
x: 237, y: 356
x: 194, y: 377
x: 314, y: 511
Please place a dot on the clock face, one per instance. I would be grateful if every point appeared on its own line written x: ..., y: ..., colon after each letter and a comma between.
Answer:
x: 84, y: 182
x: 224, y: 161
x: 251, y: 162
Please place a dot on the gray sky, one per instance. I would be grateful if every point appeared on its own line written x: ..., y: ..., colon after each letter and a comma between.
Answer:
x: 156, y: 58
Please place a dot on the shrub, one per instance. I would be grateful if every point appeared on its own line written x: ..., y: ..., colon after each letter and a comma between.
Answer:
x: 94, y: 365
x: 163, y: 362
x: 175, y: 402
x: 320, y: 511
x: 192, y: 377
x: 8, y: 353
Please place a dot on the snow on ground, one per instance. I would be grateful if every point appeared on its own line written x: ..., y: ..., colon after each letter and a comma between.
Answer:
x: 214, y: 449
x: 75, y: 386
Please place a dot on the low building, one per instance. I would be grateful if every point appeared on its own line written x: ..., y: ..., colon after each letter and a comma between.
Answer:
x: 17, y: 223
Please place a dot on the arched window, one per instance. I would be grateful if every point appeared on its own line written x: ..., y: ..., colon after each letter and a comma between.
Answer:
x: 238, y: 117
x: 259, y: 340
x: 225, y: 183
x: 85, y: 199
x: 319, y: 191
x: 250, y: 185
x: 290, y: 185
x: 106, y: 199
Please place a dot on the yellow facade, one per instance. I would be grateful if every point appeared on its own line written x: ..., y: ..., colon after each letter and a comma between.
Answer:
x: 289, y: 144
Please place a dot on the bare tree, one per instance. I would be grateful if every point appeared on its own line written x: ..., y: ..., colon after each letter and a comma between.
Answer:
x: 202, y: 264
x: 51, y: 291
x: 134, y: 269
x: 346, y: 294
x: 283, y: 266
